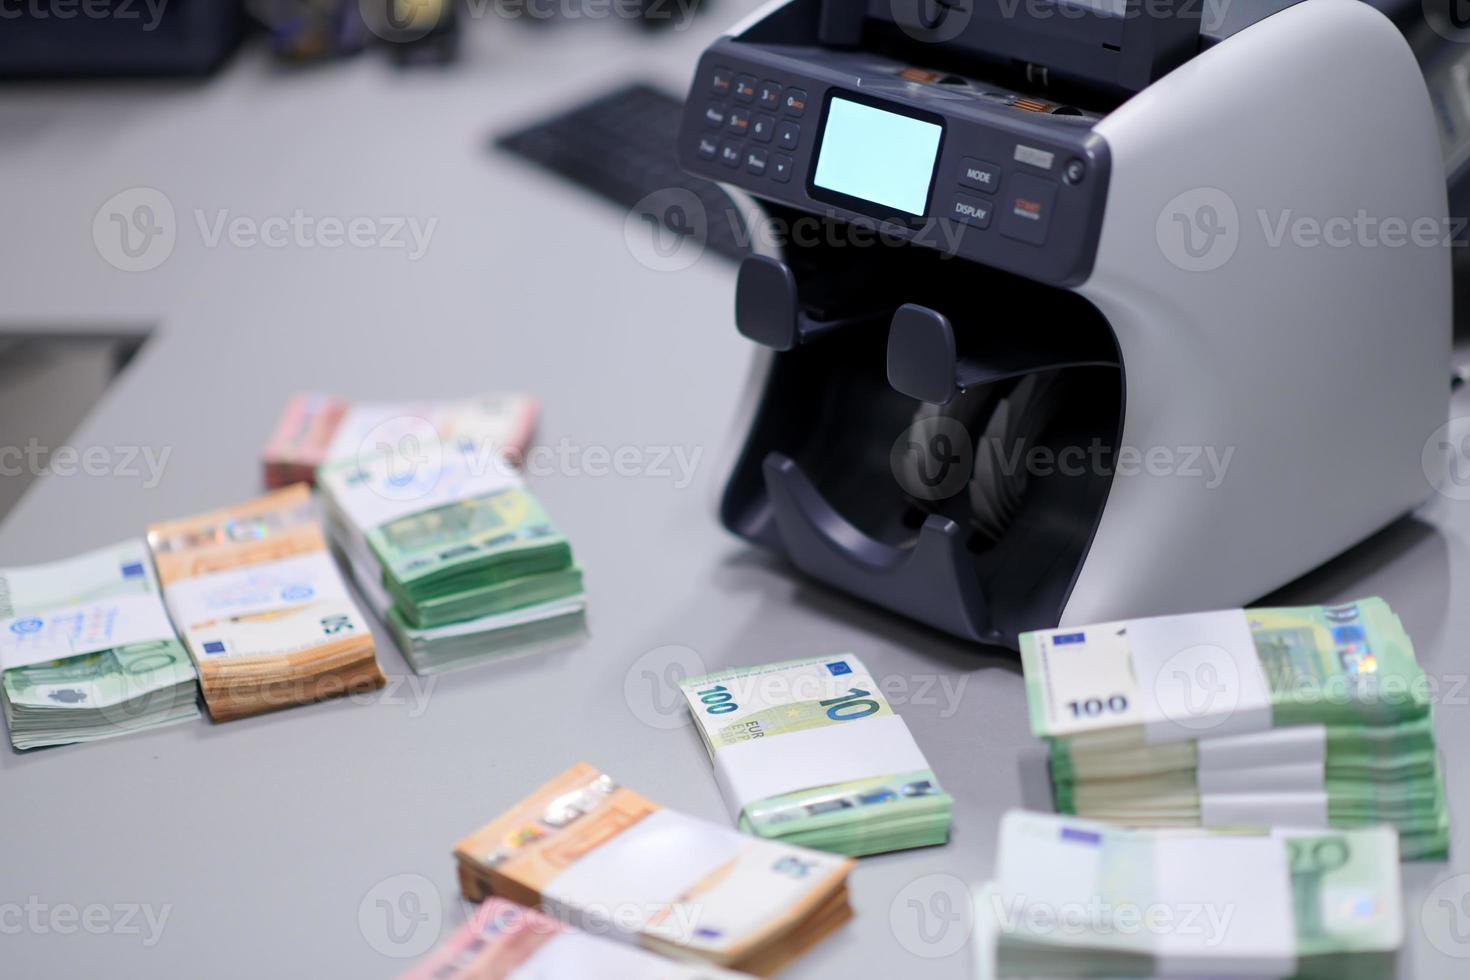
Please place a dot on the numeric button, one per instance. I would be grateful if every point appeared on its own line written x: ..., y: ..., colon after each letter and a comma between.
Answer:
x: 768, y: 94
x: 745, y: 88
x: 755, y: 162
x: 739, y: 122
x: 762, y: 126
x: 730, y: 154
x: 721, y: 81
x: 714, y: 115
x: 794, y: 101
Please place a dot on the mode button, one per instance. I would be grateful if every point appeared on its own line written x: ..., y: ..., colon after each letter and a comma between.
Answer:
x: 979, y: 174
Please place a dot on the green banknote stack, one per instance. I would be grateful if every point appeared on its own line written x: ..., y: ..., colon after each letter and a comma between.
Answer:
x: 810, y: 752
x: 457, y: 557
x: 88, y: 651
x: 1315, y: 716
x: 1074, y: 898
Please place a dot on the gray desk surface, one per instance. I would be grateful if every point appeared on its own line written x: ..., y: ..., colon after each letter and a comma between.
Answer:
x: 263, y: 840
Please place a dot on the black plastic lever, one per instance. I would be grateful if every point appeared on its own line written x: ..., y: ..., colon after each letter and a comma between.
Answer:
x: 924, y: 363
x: 768, y: 307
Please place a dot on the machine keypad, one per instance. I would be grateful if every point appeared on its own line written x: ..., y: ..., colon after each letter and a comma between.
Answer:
x: 759, y: 127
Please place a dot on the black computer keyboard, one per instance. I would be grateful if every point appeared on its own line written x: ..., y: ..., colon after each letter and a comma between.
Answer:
x: 622, y: 146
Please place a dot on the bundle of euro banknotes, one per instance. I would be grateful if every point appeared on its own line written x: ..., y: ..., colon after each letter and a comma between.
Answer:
x: 810, y: 752
x: 315, y: 429
x: 261, y: 606
x: 505, y: 941
x: 457, y: 557
x: 88, y: 650
x: 1315, y: 716
x: 601, y: 857
x: 1077, y: 898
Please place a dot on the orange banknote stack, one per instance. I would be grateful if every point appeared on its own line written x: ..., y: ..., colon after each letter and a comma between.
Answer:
x: 262, y: 607
x: 599, y: 856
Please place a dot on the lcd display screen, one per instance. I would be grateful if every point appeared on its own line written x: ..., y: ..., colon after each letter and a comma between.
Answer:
x: 882, y: 157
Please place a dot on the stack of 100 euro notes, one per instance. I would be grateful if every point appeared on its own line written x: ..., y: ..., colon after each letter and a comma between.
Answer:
x: 1314, y: 716
x: 88, y: 650
x: 810, y: 752
x: 455, y: 555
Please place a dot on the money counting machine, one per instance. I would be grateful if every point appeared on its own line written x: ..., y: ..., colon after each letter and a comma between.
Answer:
x: 1050, y: 336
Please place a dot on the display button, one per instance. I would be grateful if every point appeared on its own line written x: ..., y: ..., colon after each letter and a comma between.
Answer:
x: 709, y: 147
x: 971, y: 210
x: 1026, y: 208
x: 768, y: 94
x: 788, y: 134
x: 714, y: 116
x: 721, y: 81
x: 795, y: 101
x: 762, y: 126
x: 780, y: 168
x: 755, y: 162
x: 739, y: 122
x: 979, y: 174
x: 745, y: 88
x: 730, y: 154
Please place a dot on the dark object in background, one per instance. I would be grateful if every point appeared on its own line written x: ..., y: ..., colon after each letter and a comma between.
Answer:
x: 110, y: 38
x: 420, y: 32
x: 622, y: 146
x: 311, y: 30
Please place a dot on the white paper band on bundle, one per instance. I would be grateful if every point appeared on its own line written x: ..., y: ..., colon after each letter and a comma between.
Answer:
x: 1294, y: 777
x: 1263, y: 809
x: 1280, y: 746
x: 1246, y: 926
x: 1198, y: 676
x: 862, y: 749
x: 253, y: 589
x: 614, y: 889
x: 70, y: 631
x: 395, y: 488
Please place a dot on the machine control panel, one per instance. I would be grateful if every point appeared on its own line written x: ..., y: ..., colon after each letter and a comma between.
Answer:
x: 990, y: 182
